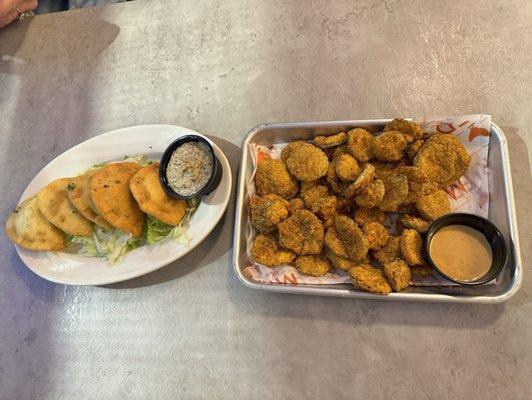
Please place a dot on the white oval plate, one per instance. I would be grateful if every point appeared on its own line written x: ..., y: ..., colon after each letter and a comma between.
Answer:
x: 151, y: 140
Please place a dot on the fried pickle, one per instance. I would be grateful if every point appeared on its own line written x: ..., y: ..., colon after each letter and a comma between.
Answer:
x: 369, y: 278
x: 443, y: 158
x: 398, y: 274
x: 346, y: 167
x: 413, y: 148
x: 273, y: 177
x: 307, y: 162
x: 390, y: 251
x: 355, y: 242
x: 412, y: 247
x: 325, y: 142
x: 267, y: 212
x: 370, y: 195
x: 434, y: 205
x: 412, y: 222
x: 395, y: 192
x: 340, y: 262
x: 295, y: 204
x: 364, y: 178
x: 418, y: 183
x: 360, y: 144
x: 302, y: 233
x: 389, y: 146
x: 364, y: 215
x: 266, y: 251
x: 313, y: 265
x: 376, y: 233
x: 410, y: 129
x: 286, y: 151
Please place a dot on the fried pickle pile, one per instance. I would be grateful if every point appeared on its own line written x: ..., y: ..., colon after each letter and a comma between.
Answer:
x: 115, y: 196
x: 323, y: 204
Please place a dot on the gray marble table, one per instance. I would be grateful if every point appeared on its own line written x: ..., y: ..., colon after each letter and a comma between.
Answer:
x: 191, y: 330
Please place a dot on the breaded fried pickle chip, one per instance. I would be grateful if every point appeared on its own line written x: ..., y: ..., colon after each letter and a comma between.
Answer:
x: 412, y: 222
x: 355, y: 242
x: 412, y: 247
x: 369, y: 278
x: 360, y: 144
x: 346, y: 167
x: 152, y: 199
x: 325, y: 142
x: 28, y: 228
x: 410, y: 129
x: 307, y: 163
x: 273, y: 177
x: 365, y: 177
x: 56, y: 207
x: 266, y: 251
x: 389, y: 146
x: 313, y: 265
x: 113, y: 199
x: 364, y: 215
x: 302, y: 233
x: 398, y: 274
x: 376, y: 233
x: 334, y: 244
x: 390, y: 251
x: 434, y: 205
x: 418, y: 183
x: 443, y: 158
x: 267, y: 212
x: 79, y: 193
x: 396, y: 190
x: 371, y: 194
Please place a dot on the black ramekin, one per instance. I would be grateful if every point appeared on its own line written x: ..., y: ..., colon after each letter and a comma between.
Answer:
x: 481, y: 224
x: 212, y: 183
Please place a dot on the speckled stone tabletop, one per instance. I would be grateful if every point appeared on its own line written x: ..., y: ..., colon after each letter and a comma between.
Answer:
x: 192, y: 330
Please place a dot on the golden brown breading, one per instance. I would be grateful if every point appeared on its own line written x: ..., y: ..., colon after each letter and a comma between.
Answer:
x: 370, y: 195
x: 410, y: 129
x: 266, y: 251
x: 360, y: 144
x: 413, y: 148
x: 307, y: 162
x: 273, y: 177
x: 340, y: 262
x: 418, y: 183
x: 412, y: 247
x: 153, y: 200
x: 311, y: 193
x: 433, y: 206
x: 355, y: 242
x: 54, y: 204
x: 396, y: 190
x: 113, y: 199
x: 313, y: 265
x: 390, y: 251
x: 27, y: 227
x: 285, y: 153
x: 376, y: 233
x: 302, y: 233
x: 443, y: 158
x: 389, y: 146
x: 371, y: 279
x: 364, y: 215
x: 364, y: 178
x: 334, y: 182
x: 412, y: 222
x: 346, y: 167
x: 325, y: 142
x: 334, y: 244
x: 398, y: 274
x: 295, y: 204
x: 79, y: 193
x: 267, y: 212
x: 421, y: 270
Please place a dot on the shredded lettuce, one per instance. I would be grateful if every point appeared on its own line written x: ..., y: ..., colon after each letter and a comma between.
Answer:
x: 157, y: 231
x: 112, y: 245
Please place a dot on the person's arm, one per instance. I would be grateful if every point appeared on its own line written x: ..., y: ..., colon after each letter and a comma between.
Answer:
x: 10, y: 9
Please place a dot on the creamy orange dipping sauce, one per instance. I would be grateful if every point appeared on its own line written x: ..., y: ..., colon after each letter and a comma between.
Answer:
x: 461, y: 252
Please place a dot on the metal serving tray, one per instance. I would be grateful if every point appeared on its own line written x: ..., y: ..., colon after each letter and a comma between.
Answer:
x: 501, y: 212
